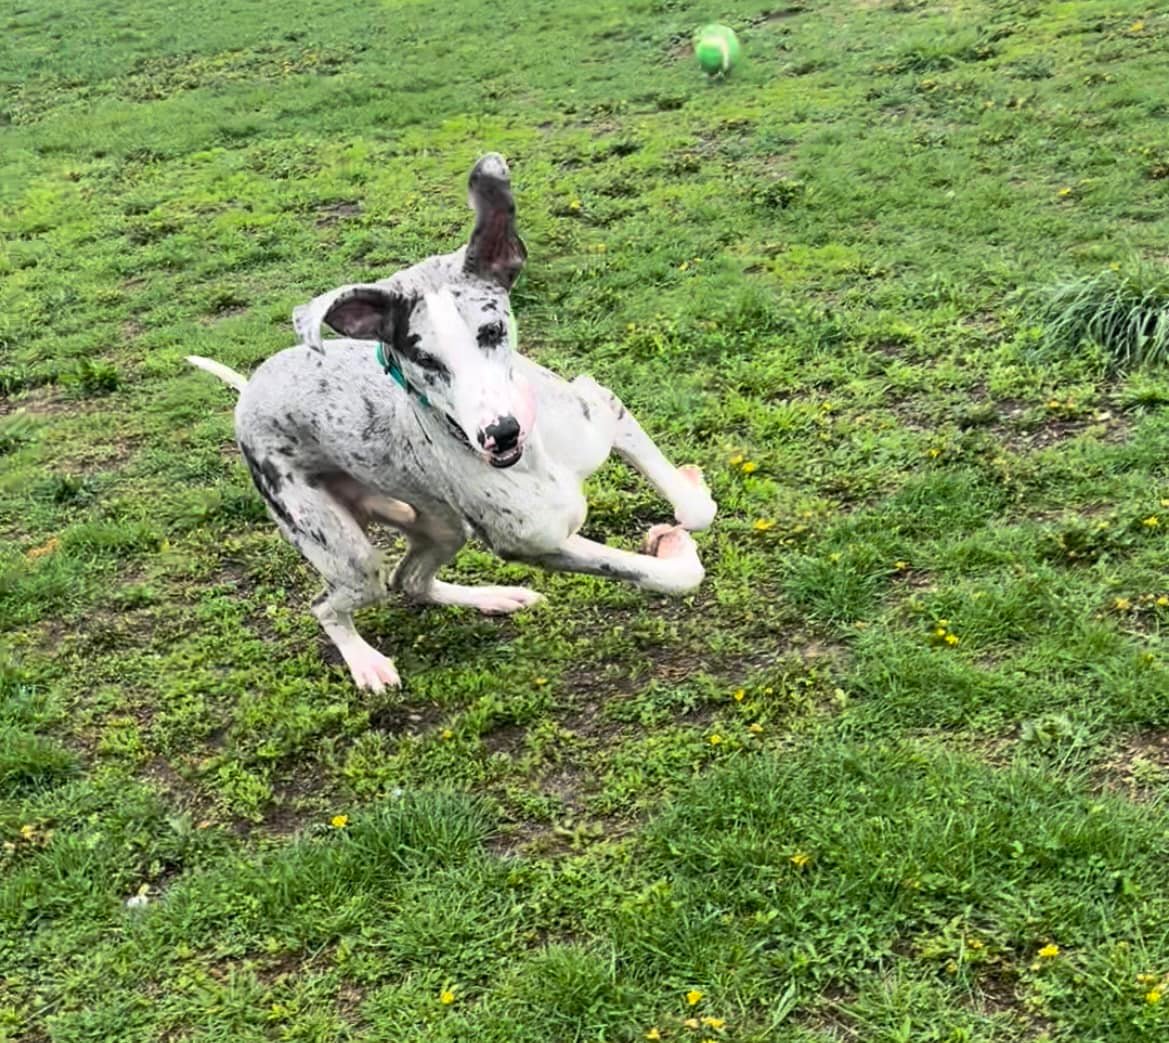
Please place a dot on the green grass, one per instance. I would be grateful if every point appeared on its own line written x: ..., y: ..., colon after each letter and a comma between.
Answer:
x: 913, y: 730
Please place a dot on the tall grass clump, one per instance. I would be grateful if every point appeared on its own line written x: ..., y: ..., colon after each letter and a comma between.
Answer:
x: 1124, y: 312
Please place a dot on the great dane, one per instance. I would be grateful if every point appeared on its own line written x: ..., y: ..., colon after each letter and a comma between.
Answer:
x: 424, y: 416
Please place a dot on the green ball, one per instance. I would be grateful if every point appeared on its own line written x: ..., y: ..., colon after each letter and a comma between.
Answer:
x: 717, y: 48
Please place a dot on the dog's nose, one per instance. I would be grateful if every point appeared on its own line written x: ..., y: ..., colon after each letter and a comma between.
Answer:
x: 500, y: 436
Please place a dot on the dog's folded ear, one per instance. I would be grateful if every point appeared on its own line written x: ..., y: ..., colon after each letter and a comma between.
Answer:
x: 361, y: 311
x: 495, y: 251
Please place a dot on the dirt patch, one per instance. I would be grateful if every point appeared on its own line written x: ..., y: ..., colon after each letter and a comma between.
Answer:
x: 335, y: 213
x: 408, y: 719
x: 1138, y: 767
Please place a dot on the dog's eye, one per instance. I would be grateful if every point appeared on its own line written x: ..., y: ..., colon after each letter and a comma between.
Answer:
x: 491, y: 334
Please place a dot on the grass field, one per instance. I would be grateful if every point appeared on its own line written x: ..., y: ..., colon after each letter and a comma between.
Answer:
x: 898, y: 772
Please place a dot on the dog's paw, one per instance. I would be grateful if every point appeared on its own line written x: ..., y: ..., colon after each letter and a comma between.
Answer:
x: 695, y: 509
x: 370, y: 669
x: 491, y: 601
x: 675, y: 547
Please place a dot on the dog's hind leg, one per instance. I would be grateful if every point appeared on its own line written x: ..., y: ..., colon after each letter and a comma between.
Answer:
x: 323, y: 528
x: 683, y: 487
x: 434, y: 540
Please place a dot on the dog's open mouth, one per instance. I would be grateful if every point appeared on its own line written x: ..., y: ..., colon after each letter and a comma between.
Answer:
x: 506, y: 458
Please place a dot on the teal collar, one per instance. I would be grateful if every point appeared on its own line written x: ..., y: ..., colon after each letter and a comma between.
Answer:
x: 391, y: 368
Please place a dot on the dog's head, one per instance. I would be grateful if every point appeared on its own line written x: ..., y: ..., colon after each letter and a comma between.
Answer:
x: 453, y: 345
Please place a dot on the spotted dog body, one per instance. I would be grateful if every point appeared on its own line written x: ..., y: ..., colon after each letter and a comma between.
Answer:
x: 446, y: 433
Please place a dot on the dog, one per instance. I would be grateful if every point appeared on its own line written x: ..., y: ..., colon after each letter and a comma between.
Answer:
x: 424, y: 416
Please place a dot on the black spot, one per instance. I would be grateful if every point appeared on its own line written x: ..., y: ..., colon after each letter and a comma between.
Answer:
x: 426, y: 362
x: 322, y: 386
x: 584, y: 408
x: 268, y: 481
x: 371, y: 419
x: 490, y: 304
x: 492, y: 334
x: 286, y: 450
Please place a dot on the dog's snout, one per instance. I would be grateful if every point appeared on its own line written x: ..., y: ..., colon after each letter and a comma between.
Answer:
x: 501, y: 435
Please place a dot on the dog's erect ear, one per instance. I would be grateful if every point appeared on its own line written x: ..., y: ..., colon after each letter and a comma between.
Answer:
x: 362, y: 311
x: 495, y: 252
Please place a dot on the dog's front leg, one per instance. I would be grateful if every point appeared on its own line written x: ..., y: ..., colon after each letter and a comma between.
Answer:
x: 668, y: 564
x: 683, y: 487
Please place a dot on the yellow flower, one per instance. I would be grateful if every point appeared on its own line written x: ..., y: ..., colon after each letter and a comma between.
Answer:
x: 1153, y: 996
x: 691, y: 1023
x: 693, y: 997
x: 750, y: 467
x: 763, y: 524
x: 714, y: 1023
x: 1151, y: 522
x: 683, y: 266
x: 715, y: 740
x: 934, y: 452
x: 1121, y: 604
x: 446, y: 997
x: 755, y: 728
x: 28, y: 831
x: 653, y: 1034
x: 1146, y: 979
x: 1064, y: 192
x: 1136, y: 27
x: 800, y: 859
x: 574, y: 205
x: 1049, y: 951
x: 737, y: 459
x: 541, y: 681
x: 1162, y: 601
x: 339, y: 821
x: 901, y: 566
x: 951, y: 639
x: 739, y: 695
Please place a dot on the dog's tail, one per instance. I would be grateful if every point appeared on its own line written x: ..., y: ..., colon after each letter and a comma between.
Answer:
x: 224, y: 373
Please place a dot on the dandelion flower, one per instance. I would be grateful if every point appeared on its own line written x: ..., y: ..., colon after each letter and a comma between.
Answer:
x: 1121, y: 604
x: 763, y: 524
x: 739, y: 695
x: 693, y: 997
x: 339, y: 821
x: 691, y: 1023
x: 446, y: 734
x: 1064, y: 192
x: 1162, y: 601
x: 952, y: 639
x: 715, y: 739
x: 653, y: 1034
x: 1049, y: 951
x: 755, y: 728
x: 714, y: 1023
x: 1153, y: 996
x: 737, y: 460
x: 446, y: 997
x: 750, y: 467
x: 1151, y: 522
x: 800, y: 859
x: 1136, y: 27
